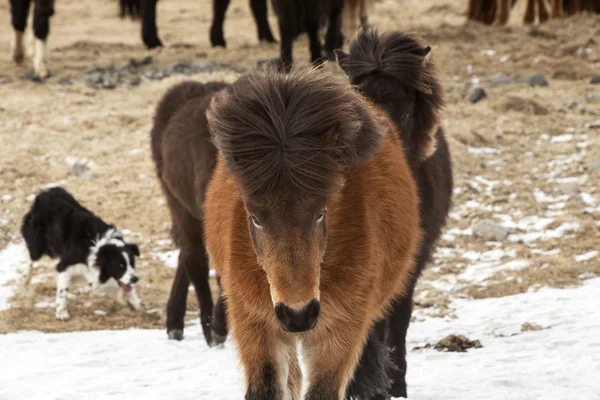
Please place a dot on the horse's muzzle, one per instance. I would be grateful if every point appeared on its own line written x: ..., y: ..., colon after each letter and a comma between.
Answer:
x: 298, y: 320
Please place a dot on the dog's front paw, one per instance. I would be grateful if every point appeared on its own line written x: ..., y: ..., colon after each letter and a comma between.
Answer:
x: 136, y: 304
x: 62, y: 314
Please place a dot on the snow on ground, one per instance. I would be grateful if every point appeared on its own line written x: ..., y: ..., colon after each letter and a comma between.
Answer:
x: 559, y: 362
x: 12, y: 258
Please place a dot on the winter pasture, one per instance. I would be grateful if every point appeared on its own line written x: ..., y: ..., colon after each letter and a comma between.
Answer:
x: 518, y: 267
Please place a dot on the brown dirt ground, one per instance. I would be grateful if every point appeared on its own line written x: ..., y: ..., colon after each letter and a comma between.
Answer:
x: 41, y: 124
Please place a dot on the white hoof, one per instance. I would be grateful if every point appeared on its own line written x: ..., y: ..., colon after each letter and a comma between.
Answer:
x: 62, y: 314
x: 40, y: 59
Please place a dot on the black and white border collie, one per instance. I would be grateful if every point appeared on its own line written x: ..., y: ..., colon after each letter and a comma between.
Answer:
x: 59, y: 227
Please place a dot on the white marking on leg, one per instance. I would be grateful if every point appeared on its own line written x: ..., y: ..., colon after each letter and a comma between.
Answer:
x: 63, y: 280
x: 27, y: 275
x: 40, y: 58
x: 17, y: 52
x: 133, y: 300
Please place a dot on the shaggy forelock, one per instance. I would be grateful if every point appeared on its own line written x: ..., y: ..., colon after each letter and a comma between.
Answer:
x: 287, y: 131
x: 394, y: 54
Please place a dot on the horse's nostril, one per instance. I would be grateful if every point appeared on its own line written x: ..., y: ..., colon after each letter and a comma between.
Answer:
x: 298, y: 320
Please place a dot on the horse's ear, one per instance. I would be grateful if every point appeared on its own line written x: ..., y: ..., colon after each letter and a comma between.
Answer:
x: 357, y: 142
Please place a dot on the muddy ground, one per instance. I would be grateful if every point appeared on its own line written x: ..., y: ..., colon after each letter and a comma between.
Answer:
x: 523, y: 154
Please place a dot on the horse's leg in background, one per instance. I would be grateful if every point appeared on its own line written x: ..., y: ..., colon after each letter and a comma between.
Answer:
x: 217, y: 37
x: 543, y: 14
x: 176, y: 306
x: 557, y: 9
x: 502, y: 12
x: 334, y: 38
x: 312, y: 30
x: 195, y: 260
x: 366, y: 7
x: 529, y: 17
x: 219, y: 322
x: 260, y: 13
x: 42, y: 11
x: 285, y: 20
x: 149, y: 30
x: 19, y: 10
x: 350, y: 18
x: 372, y: 376
x: 398, y: 320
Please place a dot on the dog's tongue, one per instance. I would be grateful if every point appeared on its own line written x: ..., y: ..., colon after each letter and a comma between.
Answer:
x: 126, y: 288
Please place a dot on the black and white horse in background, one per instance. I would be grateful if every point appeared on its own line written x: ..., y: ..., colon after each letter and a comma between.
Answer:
x: 42, y: 11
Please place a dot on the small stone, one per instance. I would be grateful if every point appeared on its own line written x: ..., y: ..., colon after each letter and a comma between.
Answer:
x: 81, y: 167
x: 498, y: 80
x: 490, y: 230
x: 465, y: 89
x: 180, y: 68
x: 65, y: 80
x: 592, y: 125
x: 477, y: 95
x: 593, y: 166
x: 595, y: 80
x: 204, y: 65
x: 457, y: 343
x: 141, y: 62
x: 109, y: 83
x: 530, y: 327
x: 537, y: 79
x: 135, y: 81
x: 572, y: 104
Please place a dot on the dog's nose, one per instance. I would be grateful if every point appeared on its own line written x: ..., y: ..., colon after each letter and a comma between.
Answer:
x: 134, y: 279
x: 298, y: 320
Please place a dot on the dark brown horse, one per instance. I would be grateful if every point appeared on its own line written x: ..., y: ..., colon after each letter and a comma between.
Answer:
x: 395, y: 72
x: 185, y: 159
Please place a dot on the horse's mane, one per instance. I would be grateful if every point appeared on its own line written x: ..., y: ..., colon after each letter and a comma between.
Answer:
x: 401, y: 57
x: 291, y: 131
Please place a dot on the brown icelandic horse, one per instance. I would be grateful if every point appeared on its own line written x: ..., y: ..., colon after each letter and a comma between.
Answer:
x: 312, y: 223
x: 185, y: 160
x: 395, y: 72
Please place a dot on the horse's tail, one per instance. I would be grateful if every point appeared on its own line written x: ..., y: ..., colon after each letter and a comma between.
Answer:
x: 401, y: 57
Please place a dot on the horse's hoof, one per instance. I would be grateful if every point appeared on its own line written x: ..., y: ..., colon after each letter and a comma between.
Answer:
x: 175, y: 334
x: 217, y: 39
x: 152, y: 41
x: 219, y: 339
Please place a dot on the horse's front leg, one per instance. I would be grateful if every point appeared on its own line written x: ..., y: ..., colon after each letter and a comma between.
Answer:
x: 19, y: 10
x: 265, y: 354
x: 42, y: 11
x: 331, y: 359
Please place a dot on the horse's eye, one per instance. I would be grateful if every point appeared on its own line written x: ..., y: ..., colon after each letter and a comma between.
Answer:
x: 321, y: 216
x: 256, y: 222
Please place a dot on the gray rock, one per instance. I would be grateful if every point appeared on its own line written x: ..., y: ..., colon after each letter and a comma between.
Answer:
x: 593, y: 166
x: 81, y: 167
x: 477, y: 95
x: 498, y: 80
x: 490, y: 230
x: 204, y: 65
x: 65, y: 80
x: 572, y: 104
x: 466, y: 88
x: 595, y: 80
x: 537, y: 79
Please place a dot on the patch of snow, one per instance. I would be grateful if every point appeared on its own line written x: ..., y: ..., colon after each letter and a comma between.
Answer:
x: 542, y: 197
x: 546, y: 234
x: 482, y: 150
x: 6, y: 198
x: 559, y: 362
x: 587, y: 198
x: 169, y: 258
x: 572, y: 179
x: 586, y: 256
x: 13, y: 258
x: 479, y: 272
x: 99, y: 313
x: 45, y: 304
x: 562, y: 138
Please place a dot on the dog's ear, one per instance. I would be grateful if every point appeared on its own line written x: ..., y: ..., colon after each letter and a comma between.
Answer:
x: 134, y: 248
